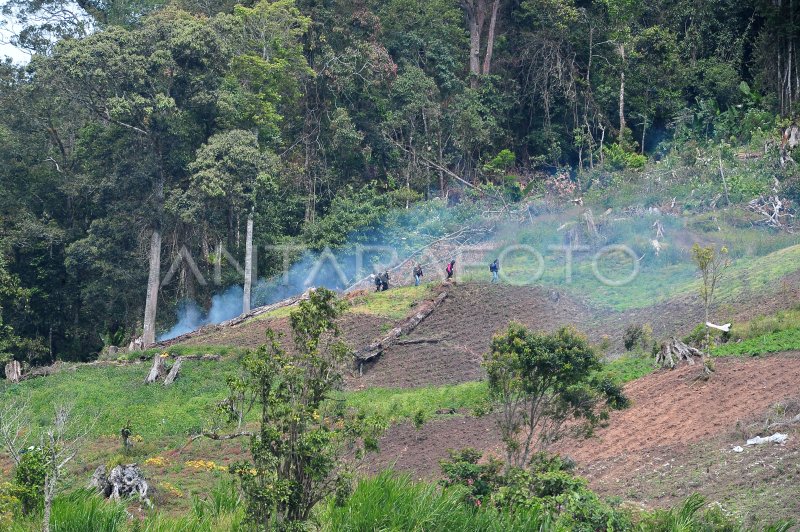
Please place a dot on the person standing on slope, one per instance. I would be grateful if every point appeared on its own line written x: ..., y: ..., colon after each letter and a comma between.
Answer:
x: 495, y: 269
x: 385, y: 281
x: 450, y: 269
x: 417, y: 274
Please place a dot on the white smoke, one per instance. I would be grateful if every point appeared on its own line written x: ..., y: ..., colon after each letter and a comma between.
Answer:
x: 224, y: 306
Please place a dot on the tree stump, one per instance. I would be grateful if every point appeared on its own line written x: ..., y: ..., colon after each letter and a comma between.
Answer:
x: 157, y: 371
x: 674, y: 351
x: 123, y: 481
x: 13, y: 371
x: 173, y: 372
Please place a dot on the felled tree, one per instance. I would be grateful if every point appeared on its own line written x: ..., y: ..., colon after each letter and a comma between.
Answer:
x: 712, y: 265
x: 539, y: 382
x: 303, y: 433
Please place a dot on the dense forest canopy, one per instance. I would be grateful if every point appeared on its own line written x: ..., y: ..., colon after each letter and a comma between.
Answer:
x: 140, y: 128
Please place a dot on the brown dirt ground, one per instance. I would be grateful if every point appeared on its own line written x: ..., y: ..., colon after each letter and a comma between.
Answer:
x: 674, y: 440
x: 463, y: 326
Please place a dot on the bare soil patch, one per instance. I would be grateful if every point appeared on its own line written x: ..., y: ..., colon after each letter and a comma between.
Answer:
x: 674, y: 440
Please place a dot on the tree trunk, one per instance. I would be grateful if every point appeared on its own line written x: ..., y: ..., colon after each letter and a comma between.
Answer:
x: 622, y: 95
x: 475, y: 11
x: 48, y: 504
x: 153, y: 278
x: 248, y: 264
x: 487, y: 60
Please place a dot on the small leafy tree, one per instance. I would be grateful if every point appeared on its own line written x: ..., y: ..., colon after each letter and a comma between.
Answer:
x: 539, y: 382
x: 712, y: 265
x: 303, y: 431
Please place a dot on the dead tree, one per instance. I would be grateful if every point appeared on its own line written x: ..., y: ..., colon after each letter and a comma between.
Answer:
x: 59, y: 447
x: 153, y: 280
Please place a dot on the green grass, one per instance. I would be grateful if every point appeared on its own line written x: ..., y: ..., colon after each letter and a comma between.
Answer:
x: 105, y: 397
x: 84, y: 511
x: 183, y: 350
x: 774, y: 342
x: 398, y: 405
x: 395, y: 303
x: 630, y: 367
x: 282, y: 312
x: 762, y: 325
x: 393, y: 502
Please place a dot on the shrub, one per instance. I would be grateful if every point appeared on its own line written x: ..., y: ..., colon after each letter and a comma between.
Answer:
x: 632, y: 336
x: 10, y: 505
x: 640, y: 336
x: 29, y: 477
x: 620, y: 159
x: 480, y: 480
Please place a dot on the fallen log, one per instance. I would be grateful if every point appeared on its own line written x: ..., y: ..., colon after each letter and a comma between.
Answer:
x: 674, y: 351
x: 379, y: 346
x: 173, y: 371
x: 416, y: 341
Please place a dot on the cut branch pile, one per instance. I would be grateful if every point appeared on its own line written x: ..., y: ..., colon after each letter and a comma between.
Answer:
x: 774, y: 209
x: 379, y: 346
x: 674, y: 351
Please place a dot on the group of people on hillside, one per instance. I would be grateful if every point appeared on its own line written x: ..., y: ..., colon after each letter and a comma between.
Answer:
x: 382, y: 279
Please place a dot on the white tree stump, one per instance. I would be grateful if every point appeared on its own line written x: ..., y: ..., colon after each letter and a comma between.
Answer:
x: 13, y: 371
x: 173, y: 372
x: 157, y: 371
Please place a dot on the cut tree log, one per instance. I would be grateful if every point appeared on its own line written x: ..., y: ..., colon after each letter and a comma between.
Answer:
x: 674, y: 351
x: 157, y: 371
x: 379, y: 346
x: 174, y: 372
x: 13, y: 371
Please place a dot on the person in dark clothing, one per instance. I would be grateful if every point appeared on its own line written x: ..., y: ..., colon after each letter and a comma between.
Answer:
x: 378, y: 282
x: 417, y: 274
x: 450, y: 269
x: 495, y: 269
x: 385, y: 280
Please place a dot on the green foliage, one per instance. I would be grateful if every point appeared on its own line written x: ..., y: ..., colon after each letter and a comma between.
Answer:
x: 481, y: 480
x: 419, y: 506
x: 10, y: 505
x: 301, y: 436
x: 619, y: 158
x: 539, y: 381
x: 775, y: 342
x: 29, y: 476
x: 546, y: 487
x: 223, y: 499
